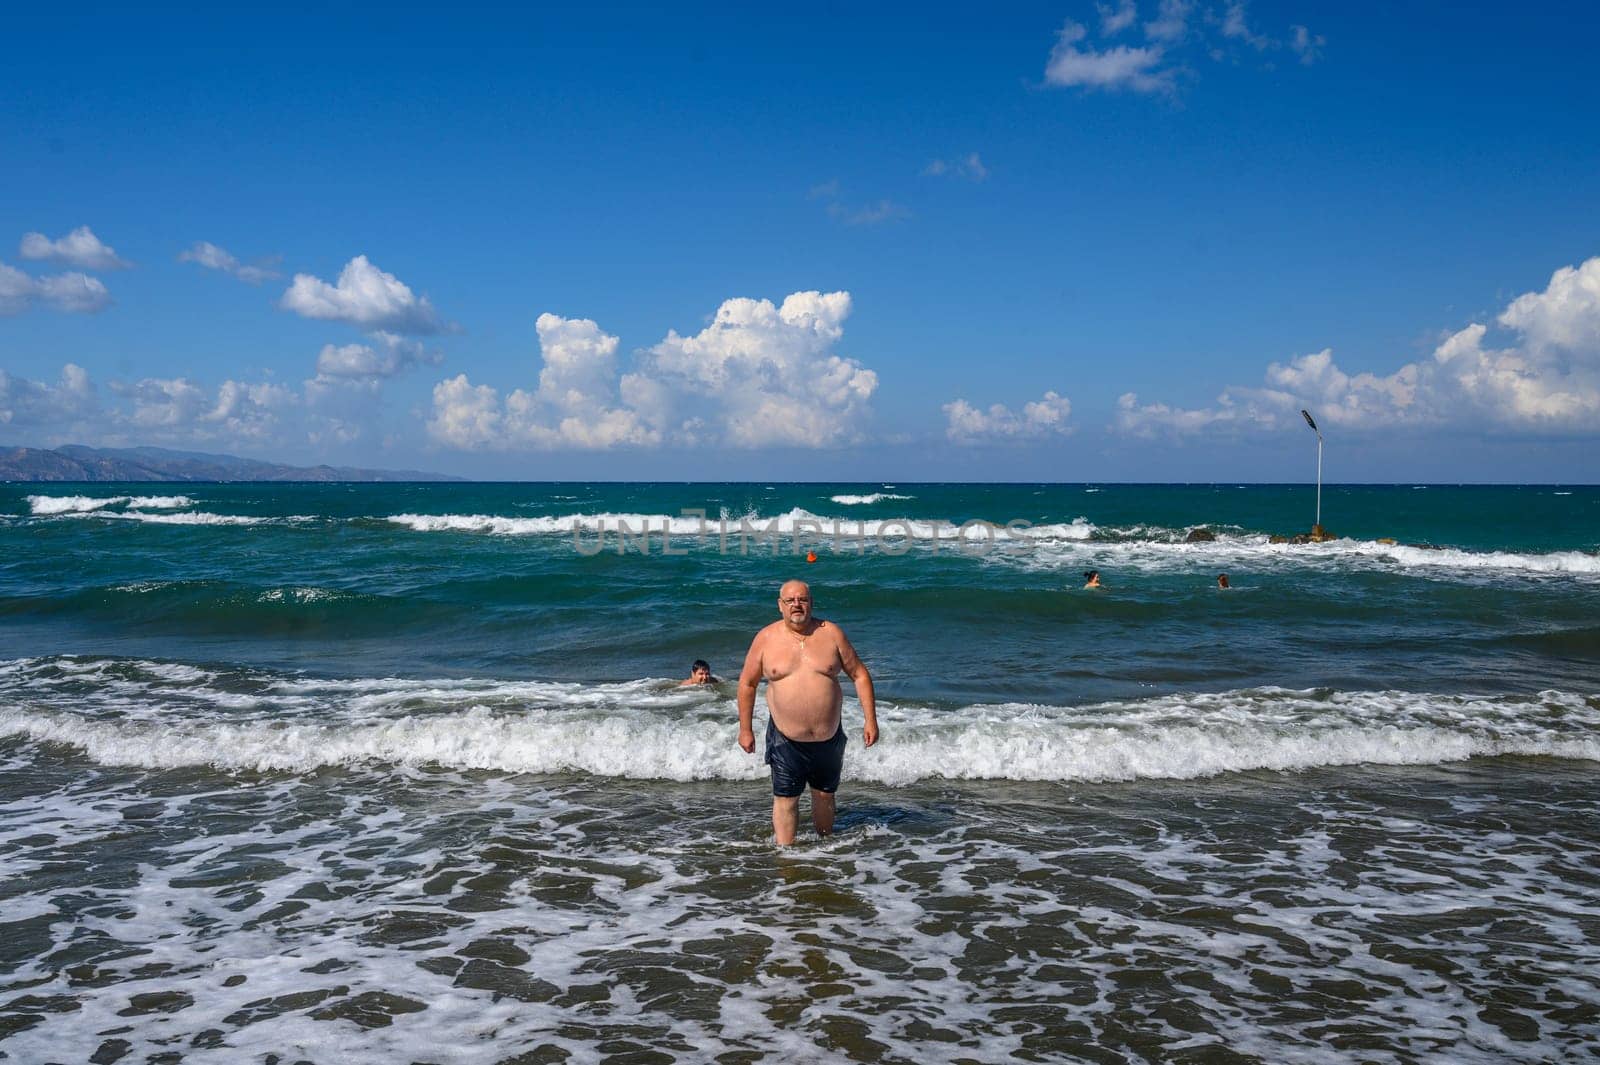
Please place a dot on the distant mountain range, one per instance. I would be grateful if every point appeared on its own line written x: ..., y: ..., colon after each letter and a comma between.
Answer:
x: 77, y: 463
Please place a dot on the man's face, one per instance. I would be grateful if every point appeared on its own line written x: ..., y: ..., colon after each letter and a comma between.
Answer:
x: 794, y: 603
x: 700, y: 674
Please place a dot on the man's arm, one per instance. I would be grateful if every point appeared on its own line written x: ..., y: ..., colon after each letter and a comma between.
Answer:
x: 858, y: 672
x: 749, y: 681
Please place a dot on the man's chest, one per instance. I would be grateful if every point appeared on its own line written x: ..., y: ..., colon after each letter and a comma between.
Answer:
x: 788, y: 655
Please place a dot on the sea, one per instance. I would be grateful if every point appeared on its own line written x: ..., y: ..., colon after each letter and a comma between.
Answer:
x: 346, y: 773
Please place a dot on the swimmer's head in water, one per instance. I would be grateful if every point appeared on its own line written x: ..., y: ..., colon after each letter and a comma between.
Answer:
x: 700, y: 672
x: 1222, y: 580
x: 1091, y: 578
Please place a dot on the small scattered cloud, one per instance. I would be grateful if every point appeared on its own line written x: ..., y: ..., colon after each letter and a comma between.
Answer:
x: 1114, y: 20
x: 213, y: 257
x: 365, y: 296
x: 759, y: 375
x: 1178, y: 31
x: 854, y: 214
x: 386, y: 355
x: 1305, y: 44
x: 71, y: 293
x: 1047, y: 416
x: 1171, y: 23
x: 871, y: 214
x: 1547, y: 379
x: 1120, y: 67
x: 969, y: 166
x: 1235, y: 27
x: 80, y: 248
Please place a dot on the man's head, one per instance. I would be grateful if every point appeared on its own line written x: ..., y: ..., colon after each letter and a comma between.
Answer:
x: 794, y: 602
x: 700, y: 672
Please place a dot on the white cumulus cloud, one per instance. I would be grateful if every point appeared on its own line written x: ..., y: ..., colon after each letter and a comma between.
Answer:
x: 365, y: 296
x: 176, y: 410
x: 759, y: 375
x: 72, y: 292
x: 1046, y: 416
x: 213, y: 257
x: 80, y: 248
x: 575, y: 405
x: 1546, y: 378
x: 465, y: 415
x: 179, y: 411
x: 25, y: 403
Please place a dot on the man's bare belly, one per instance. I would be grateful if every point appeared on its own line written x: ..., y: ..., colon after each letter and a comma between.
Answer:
x: 805, y: 705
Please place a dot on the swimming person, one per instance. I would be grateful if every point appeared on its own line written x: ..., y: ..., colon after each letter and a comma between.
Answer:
x: 1091, y: 578
x: 700, y: 673
x: 1222, y: 581
x: 801, y: 656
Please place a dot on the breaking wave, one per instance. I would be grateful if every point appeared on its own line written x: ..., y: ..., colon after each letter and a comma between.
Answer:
x: 47, y: 505
x: 797, y: 521
x: 875, y: 497
x: 156, y: 715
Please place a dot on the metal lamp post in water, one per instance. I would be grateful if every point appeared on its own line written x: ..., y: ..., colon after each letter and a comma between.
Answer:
x: 1318, y: 534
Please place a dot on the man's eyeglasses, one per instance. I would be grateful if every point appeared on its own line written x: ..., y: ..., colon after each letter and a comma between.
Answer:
x: 793, y: 600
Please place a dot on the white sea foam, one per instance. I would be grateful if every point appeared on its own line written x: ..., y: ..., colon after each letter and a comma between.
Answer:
x: 160, y: 502
x: 46, y: 505
x: 299, y: 595
x: 730, y: 527
x: 1293, y: 921
x: 875, y: 497
x: 193, y: 517
x: 646, y: 731
x: 1049, y: 545
x: 140, y: 587
x: 72, y: 504
x: 1153, y: 549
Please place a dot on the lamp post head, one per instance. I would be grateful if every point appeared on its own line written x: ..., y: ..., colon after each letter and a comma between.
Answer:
x: 1307, y: 416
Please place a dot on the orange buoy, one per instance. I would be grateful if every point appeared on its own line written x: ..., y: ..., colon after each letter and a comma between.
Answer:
x: 811, y: 556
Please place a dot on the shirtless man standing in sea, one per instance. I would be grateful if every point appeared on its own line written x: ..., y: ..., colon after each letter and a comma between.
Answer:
x: 801, y: 657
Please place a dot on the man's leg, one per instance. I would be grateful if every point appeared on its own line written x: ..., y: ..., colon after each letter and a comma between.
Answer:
x: 785, y: 818
x: 822, y: 807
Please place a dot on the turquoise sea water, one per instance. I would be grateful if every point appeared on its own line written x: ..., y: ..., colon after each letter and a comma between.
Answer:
x: 400, y: 772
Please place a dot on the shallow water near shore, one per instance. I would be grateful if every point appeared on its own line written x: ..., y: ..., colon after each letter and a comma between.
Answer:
x: 401, y: 773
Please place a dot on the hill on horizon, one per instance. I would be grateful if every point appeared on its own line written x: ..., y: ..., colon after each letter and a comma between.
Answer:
x: 75, y: 462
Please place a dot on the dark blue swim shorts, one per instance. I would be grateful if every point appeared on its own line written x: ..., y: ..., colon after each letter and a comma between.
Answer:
x: 796, y: 764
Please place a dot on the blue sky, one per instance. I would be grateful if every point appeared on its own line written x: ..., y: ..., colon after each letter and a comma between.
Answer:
x: 1064, y: 242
